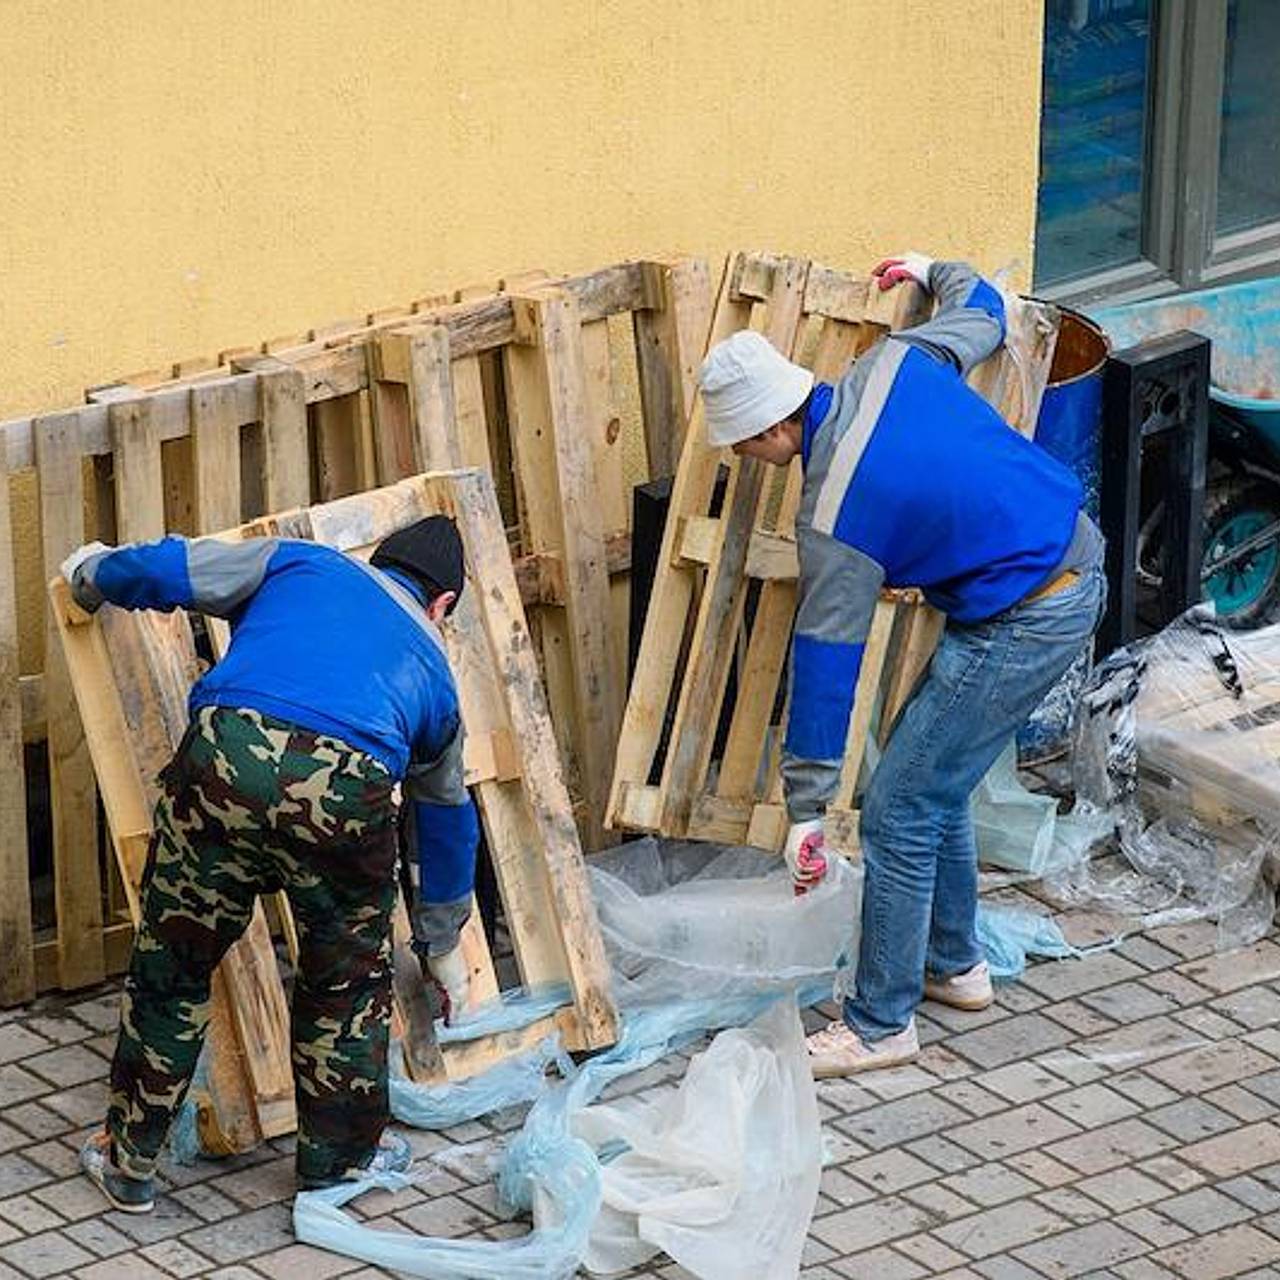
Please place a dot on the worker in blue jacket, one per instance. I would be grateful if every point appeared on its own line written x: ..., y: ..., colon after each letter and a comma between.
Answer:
x: 912, y: 479
x: 335, y: 691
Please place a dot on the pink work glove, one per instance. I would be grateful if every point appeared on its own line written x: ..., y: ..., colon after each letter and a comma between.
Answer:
x: 906, y: 266
x: 805, y: 855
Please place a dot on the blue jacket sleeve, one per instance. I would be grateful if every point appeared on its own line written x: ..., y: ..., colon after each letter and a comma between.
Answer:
x: 839, y: 586
x: 968, y: 325
x: 175, y: 573
x: 447, y: 832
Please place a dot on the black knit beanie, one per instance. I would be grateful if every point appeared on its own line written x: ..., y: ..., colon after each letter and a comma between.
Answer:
x: 429, y: 551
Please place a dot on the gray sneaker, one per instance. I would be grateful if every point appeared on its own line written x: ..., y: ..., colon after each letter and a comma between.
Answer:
x: 126, y: 1193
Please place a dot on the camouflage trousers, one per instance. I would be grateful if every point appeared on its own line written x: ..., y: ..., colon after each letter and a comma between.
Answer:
x: 252, y: 805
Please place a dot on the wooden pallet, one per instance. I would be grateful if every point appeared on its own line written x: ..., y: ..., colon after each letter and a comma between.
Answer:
x: 205, y: 444
x: 511, y: 757
x: 716, y: 553
x: 131, y: 673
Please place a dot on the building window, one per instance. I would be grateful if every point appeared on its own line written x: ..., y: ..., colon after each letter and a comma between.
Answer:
x: 1159, y: 146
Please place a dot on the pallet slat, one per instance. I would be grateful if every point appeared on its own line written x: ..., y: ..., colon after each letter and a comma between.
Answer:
x: 17, y: 954
x: 77, y: 879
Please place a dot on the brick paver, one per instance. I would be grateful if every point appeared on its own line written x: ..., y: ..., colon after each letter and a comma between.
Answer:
x: 1111, y: 1116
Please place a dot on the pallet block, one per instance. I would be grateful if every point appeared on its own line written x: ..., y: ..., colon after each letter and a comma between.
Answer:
x: 718, y: 552
x: 131, y: 672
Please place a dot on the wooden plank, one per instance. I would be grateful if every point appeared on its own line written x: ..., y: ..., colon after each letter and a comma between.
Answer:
x: 613, y: 502
x: 469, y: 413
x: 673, y: 591
x: 422, y: 1058
x: 922, y: 626
x: 671, y: 339
x: 338, y: 447
x: 469, y: 497
x: 215, y: 439
x: 392, y: 420
x: 874, y: 653
x: 117, y: 945
x: 139, y: 475
x: 77, y: 880
x: 711, y: 649
x: 420, y: 364
x: 287, y: 474
x: 548, y: 400
x: 17, y: 954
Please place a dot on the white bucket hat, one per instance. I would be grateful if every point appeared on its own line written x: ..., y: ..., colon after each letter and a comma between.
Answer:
x: 747, y: 386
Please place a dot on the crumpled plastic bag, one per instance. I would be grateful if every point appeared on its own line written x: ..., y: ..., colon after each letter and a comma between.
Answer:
x: 1021, y: 830
x: 721, y: 1175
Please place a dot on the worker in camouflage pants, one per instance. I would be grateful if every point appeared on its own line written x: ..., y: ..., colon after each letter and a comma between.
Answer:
x: 335, y: 688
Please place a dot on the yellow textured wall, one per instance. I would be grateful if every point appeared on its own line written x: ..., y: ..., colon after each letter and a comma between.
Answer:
x: 177, y: 177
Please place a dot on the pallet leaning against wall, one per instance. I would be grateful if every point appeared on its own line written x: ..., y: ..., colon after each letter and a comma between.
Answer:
x: 326, y: 413
x: 529, y: 382
x: 132, y: 672
x: 721, y: 553
x: 109, y: 470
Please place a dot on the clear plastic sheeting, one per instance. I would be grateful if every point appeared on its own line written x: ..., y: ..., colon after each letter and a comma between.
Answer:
x: 1021, y: 830
x: 1178, y: 743
x: 700, y: 938
x: 721, y: 1175
x: 703, y: 921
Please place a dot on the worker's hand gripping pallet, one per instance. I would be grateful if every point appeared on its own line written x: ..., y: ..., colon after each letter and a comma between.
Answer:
x: 131, y: 673
x: 687, y: 764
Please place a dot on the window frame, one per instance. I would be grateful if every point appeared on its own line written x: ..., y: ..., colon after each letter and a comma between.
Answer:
x: 1181, y: 249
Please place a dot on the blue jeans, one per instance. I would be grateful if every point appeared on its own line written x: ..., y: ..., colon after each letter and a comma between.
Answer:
x: 920, y: 898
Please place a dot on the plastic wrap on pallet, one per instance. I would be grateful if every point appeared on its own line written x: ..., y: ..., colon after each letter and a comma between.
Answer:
x: 700, y: 938
x: 1178, y: 740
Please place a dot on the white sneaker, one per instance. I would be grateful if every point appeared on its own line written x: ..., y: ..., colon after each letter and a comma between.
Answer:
x: 968, y: 990
x: 838, y: 1051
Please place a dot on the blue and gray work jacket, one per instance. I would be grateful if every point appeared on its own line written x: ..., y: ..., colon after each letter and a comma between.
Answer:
x: 912, y: 479
x: 323, y: 641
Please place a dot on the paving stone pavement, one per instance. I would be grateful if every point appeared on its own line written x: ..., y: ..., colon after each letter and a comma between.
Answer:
x: 1110, y: 1116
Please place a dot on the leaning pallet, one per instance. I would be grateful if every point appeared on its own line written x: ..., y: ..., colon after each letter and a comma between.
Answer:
x: 525, y: 383
x: 132, y: 672
x: 677, y: 772
x: 506, y: 379
x: 511, y: 758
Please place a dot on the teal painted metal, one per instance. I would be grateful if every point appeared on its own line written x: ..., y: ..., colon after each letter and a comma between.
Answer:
x: 1243, y: 323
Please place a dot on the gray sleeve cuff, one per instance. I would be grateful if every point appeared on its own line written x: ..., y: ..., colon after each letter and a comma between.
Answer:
x: 437, y: 925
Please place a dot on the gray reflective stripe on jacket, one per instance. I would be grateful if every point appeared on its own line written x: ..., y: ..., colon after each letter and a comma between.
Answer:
x: 839, y: 584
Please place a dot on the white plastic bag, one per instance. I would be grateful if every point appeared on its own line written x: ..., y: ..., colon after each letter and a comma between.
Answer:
x: 723, y: 1174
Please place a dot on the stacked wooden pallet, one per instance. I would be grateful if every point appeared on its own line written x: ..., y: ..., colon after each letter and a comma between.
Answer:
x: 531, y: 382
x: 676, y: 773
x: 131, y: 673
